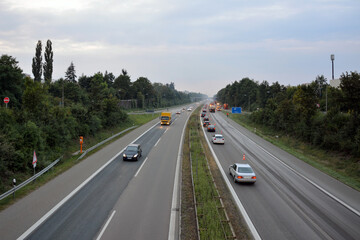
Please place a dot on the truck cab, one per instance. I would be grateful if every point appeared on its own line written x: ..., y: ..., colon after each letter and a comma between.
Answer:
x: 165, y: 118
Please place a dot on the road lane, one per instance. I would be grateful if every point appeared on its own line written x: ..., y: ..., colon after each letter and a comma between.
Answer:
x: 282, y: 204
x: 19, y: 217
x: 83, y: 215
x: 143, y: 210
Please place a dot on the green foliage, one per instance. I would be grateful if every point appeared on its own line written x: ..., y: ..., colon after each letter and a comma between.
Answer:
x: 350, y: 86
x: 37, y: 63
x: 70, y: 74
x: 48, y: 65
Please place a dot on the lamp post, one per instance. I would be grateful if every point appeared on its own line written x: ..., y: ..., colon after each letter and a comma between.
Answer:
x: 332, y: 57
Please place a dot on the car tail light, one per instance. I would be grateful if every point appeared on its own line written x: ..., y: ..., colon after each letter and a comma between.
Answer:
x: 239, y: 177
x: 253, y: 177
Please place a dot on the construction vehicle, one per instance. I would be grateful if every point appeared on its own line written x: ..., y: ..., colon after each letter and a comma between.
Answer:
x: 165, y: 118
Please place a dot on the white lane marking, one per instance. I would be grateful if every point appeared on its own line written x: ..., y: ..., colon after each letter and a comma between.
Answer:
x: 234, y: 195
x: 141, y: 167
x: 166, y: 130
x: 64, y: 200
x: 174, y: 213
x: 105, y: 226
x: 303, y: 176
x: 157, y: 142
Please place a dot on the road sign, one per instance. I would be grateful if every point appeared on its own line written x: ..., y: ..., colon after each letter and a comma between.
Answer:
x: 34, y: 159
x: 236, y: 110
x: 6, y: 100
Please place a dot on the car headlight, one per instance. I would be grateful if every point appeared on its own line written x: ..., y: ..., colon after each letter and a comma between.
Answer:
x: 124, y: 155
x: 135, y: 155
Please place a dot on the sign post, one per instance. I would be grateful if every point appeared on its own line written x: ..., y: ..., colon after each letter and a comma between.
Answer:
x: 236, y: 110
x: 81, y: 143
x: 6, y: 101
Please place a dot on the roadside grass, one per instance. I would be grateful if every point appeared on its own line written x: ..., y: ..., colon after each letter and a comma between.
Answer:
x: 69, y: 160
x: 342, y: 167
x: 211, y: 216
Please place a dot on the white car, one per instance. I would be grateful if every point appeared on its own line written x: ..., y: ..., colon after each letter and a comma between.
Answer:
x: 218, y: 138
x: 242, y: 172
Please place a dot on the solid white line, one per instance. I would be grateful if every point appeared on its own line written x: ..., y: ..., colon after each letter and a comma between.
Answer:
x: 105, y: 226
x: 247, y: 219
x: 174, y: 212
x: 141, y: 167
x: 64, y: 200
x: 157, y: 142
x: 166, y: 130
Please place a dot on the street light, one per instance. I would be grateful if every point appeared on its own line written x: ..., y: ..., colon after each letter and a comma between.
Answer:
x: 332, y: 57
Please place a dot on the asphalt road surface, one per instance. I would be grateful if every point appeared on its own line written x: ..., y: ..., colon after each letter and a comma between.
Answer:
x: 286, y: 201
x: 125, y: 200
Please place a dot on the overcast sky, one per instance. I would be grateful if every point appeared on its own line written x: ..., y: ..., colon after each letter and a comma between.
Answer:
x: 200, y: 45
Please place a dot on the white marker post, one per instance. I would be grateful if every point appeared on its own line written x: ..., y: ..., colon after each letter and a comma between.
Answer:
x: 34, y: 161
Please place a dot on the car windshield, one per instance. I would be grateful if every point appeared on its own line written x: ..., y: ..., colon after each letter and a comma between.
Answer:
x: 164, y: 118
x: 131, y: 148
x: 219, y: 137
x: 245, y: 170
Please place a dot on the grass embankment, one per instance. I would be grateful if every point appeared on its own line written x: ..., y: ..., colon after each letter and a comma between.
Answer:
x: 342, y: 167
x: 69, y: 160
x: 212, y: 219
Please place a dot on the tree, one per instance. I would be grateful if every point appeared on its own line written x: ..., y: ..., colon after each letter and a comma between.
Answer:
x: 109, y: 78
x: 37, y: 63
x: 70, y: 74
x: 48, y: 65
x: 123, y: 85
x: 350, y: 85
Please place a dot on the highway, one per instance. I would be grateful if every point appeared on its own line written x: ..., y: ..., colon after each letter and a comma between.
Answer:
x: 124, y: 199
x: 290, y: 200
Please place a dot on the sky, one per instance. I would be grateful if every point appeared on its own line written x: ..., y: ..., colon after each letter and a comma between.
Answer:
x: 200, y: 45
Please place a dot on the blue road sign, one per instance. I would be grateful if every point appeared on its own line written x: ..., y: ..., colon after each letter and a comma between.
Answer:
x: 236, y: 110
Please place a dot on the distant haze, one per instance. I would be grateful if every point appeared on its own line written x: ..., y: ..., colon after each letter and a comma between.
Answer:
x: 201, y: 46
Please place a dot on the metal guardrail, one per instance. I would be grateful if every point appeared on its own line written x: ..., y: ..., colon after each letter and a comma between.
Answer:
x: 14, y: 189
x: 11, y: 191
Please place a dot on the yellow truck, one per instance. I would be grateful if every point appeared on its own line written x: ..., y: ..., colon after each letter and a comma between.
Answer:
x: 165, y: 118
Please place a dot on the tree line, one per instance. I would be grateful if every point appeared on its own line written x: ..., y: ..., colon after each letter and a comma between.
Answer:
x: 316, y: 113
x: 46, y: 115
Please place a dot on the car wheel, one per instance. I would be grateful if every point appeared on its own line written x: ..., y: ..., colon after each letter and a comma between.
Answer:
x: 234, y: 179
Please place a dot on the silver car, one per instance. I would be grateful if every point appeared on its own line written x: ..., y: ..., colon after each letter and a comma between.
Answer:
x: 242, y: 172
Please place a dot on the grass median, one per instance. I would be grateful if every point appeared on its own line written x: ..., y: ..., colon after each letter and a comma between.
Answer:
x: 211, y: 195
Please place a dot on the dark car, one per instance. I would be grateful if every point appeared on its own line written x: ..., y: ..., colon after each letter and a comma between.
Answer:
x: 211, y: 128
x: 206, y: 119
x: 132, y: 152
x: 203, y: 114
x: 206, y: 123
